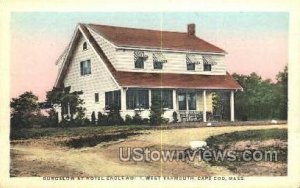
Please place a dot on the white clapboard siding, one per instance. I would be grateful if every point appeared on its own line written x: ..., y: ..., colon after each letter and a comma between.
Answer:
x: 176, y: 63
x: 98, y: 81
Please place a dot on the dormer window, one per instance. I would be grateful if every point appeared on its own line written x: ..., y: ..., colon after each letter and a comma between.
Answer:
x: 191, y: 61
x: 139, y: 59
x: 84, y: 46
x: 208, y: 62
x: 158, y: 60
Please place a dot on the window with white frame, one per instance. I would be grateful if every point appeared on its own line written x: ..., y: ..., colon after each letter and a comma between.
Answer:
x: 158, y: 60
x: 85, y: 67
x: 139, y: 59
x: 164, y: 95
x: 191, y: 61
x: 137, y: 99
x: 113, y: 100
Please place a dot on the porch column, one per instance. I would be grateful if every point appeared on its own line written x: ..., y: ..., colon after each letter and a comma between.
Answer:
x: 123, y: 99
x: 174, y: 100
x: 204, y: 105
x: 232, y: 105
x: 150, y: 98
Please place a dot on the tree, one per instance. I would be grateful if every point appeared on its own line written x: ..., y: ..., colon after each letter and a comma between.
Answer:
x: 24, y: 110
x: 93, y: 118
x: 282, y: 88
x: 261, y: 99
x: 156, y: 111
x: 70, y: 103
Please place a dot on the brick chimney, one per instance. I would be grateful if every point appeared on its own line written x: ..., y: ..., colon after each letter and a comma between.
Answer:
x: 191, y: 29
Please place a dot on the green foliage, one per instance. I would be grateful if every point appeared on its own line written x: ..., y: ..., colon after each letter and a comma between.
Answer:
x: 24, y: 110
x: 175, y: 117
x: 261, y: 99
x: 252, y: 135
x: 137, y: 119
x: 93, y: 118
x: 156, y: 111
x: 128, y: 120
x: 221, y: 105
x: 114, y: 117
x: 101, y: 119
x: 48, y: 121
x: 71, y: 105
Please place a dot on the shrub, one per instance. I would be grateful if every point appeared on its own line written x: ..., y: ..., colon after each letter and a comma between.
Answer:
x: 175, y: 117
x: 93, y: 118
x: 156, y: 111
x: 128, y: 120
x: 137, y: 119
x: 145, y: 121
x: 165, y: 120
x: 114, y: 117
x: 102, y: 119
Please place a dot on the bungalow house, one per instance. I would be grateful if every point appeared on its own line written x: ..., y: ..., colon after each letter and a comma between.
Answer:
x: 128, y: 66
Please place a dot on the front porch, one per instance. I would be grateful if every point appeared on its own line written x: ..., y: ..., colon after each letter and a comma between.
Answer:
x: 195, y: 105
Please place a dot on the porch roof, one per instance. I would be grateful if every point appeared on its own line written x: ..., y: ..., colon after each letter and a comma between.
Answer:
x: 172, y: 80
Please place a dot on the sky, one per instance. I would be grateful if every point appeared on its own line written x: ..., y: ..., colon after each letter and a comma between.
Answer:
x: 255, y: 41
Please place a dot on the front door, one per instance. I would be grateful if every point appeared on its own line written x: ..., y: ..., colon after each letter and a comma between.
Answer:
x: 187, y: 101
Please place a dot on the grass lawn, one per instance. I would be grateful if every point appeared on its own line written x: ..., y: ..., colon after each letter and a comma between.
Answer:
x: 255, y: 135
x: 31, y: 133
x: 262, y: 141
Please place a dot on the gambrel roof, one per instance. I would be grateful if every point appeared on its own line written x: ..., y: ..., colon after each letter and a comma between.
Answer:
x: 140, y: 38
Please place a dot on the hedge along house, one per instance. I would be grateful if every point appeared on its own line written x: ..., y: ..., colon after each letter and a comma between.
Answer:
x: 126, y: 67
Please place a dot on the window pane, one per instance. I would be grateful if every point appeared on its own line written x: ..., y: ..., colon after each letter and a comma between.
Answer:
x: 85, y: 67
x: 207, y: 67
x: 165, y: 96
x: 182, y: 101
x: 190, y: 66
x: 157, y: 65
x: 113, y: 99
x: 139, y: 63
x: 96, y: 97
x: 137, y: 99
x: 192, y: 101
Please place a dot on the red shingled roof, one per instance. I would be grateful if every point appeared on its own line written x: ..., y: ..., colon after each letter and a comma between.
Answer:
x: 157, y: 80
x: 131, y: 37
x: 171, y: 80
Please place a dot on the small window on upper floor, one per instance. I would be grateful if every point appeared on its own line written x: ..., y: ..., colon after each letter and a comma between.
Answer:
x: 85, y: 67
x: 207, y: 67
x: 191, y: 61
x: 158, y: 60
x: 191, y: 66
x: 139, y: 59
x: 208, y: 62
x: 84, y: 46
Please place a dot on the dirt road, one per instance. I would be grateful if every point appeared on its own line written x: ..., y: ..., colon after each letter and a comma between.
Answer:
x: 47, y: 157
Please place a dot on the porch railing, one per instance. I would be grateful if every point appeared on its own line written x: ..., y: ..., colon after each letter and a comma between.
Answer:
x: 196, y: 116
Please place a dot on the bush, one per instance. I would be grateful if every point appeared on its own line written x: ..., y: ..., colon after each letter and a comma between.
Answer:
x: 102, y: 119
x: 114, y: 117
x: 175, y: 117
x: 48, y: 121
x: 137, y: 119
x: 156, y: 111
x: 128, y: 120
x: 145, y: 121
x: 93, y: 118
